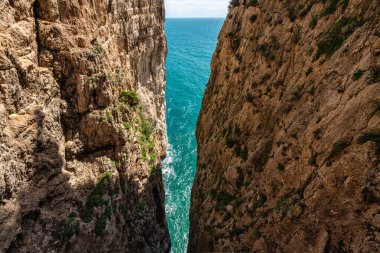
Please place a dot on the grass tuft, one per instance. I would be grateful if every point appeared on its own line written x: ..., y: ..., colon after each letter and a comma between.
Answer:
x: 335, y: 36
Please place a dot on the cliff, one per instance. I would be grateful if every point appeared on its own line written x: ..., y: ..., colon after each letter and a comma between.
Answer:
x: 82, y: 119
x: 289, y: 131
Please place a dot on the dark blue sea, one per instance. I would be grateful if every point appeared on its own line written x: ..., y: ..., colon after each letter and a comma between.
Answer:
x: 191, y: 43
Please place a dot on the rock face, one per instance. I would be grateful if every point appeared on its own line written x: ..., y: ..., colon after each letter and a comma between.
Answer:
x: 289, y: 131
x: 82, y: 118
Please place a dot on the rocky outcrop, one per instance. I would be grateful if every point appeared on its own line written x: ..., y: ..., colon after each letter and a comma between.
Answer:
x: 289, y: 131
x: 82, y: 118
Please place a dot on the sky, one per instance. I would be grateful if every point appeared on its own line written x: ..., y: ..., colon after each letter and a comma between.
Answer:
x: 196, y: 8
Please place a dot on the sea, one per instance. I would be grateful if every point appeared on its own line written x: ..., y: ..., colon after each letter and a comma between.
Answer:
x: 191, y: 44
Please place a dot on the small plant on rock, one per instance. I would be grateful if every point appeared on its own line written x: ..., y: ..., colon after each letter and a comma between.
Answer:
x: 129, y: 97
x: 337, y: 150
x: 357, y: 74
x: 69, y: 229
x: 234, y: 3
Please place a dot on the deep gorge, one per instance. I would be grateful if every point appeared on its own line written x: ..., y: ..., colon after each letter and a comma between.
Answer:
x: 277, y: 139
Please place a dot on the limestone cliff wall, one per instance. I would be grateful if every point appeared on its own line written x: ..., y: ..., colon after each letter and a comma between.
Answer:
x: 289, y: 131
x: 82, y: 126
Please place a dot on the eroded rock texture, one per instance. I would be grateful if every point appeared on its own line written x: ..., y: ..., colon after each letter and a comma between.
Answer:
x: 289, y: 131
x: 82, y: 119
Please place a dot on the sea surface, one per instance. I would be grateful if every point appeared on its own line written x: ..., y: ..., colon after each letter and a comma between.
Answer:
x: 191, y: 44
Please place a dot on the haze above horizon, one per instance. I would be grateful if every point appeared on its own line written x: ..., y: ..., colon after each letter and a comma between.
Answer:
x: 196, y: 8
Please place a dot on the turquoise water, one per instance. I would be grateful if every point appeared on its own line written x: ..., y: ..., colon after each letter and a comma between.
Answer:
x: 191, y: 43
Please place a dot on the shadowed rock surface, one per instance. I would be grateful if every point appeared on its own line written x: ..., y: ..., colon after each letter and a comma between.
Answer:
x: 82, y: 119
x: 289, y: 131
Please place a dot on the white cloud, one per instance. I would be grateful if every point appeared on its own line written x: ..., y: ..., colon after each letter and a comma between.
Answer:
x: 196, y: 8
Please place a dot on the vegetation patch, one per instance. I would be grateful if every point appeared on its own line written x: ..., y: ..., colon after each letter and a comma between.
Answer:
x: 230, y: 141
x: 281, y: 167
x: 374, y: 75
x: 222, y: 199
x: 296, y: 34
x: 267, y: 49
x: 129, y: 97
x: 140, y: 208
x: 370, y: 196
x: 376, y: 107
x: 336, y: 35
x: 147, y: 142
x: 331, y: 8
x: 236, y: 231
x: 241, y: 151
x: 101, y: 223
x: 96, y: 51
x: 259, y: 200
x: 106, y: 117
x: 313, y: 22
x: 253, y: 3
x: 95, y: 198
x: 357, y: 74
x: 227, y: 217
x: 234, y: 3
x: 253, y: 18
x: 373, y: 136
x: 69, y: 228
x: 309, y: 71
x: 337, y: 150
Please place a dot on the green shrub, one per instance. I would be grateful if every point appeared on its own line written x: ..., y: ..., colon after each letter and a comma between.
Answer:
x: 249, y: 97
x: 331, y: 8
x: 236, y: 231
x: 241, y: 151
x: 259, y: 201
x: 146, y: 127
x: 95, y: 198
x: 106, y: 117
x: 357, y: 74
x: 96, y: 51
x: 253, y: 3
x: 374, y: 75
x: 313, y: 160
x: 207, y: 228
x: 234, y: 3
x: 230, y: 141
x: 244, y: 153
x: 127, y: 125
x: 152, y: 169
x: 222, y: 199
x: 69, y: 228
x: 373, y: 136
x: 253, y: 18
x: 140, y: 207
x: 147, y: 142
x: 281, y: 167
x: 129, y: 97
x: 282, y: 206
x: 370, y: 196
x: 309, y: 71
x: 345, y: 4
x: 101, y: 223
x: 313, y: 22
x: 227, y: 217
x: 296, y: 34
x: 335, y: 36
x: 337, y: 149
x: 376, y: 107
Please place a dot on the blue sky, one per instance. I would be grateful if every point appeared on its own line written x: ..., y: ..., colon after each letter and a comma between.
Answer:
x: 196, y: 8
